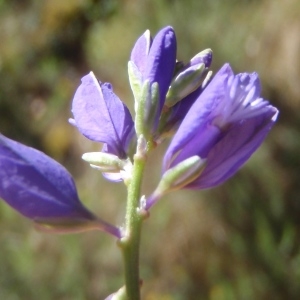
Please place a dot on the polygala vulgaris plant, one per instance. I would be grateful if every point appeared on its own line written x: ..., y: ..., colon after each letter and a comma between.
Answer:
x: 214, y: 124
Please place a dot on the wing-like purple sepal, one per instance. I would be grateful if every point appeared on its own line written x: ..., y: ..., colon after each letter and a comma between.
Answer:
x: 101, y: 116
x: 37, y: 186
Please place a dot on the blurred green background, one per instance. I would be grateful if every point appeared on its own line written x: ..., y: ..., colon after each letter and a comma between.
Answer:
x: 238, y: 241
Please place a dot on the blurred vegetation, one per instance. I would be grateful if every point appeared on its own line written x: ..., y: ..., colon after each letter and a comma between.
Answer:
x: 238, y: 241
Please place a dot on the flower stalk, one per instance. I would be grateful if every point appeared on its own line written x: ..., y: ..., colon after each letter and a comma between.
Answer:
x: 130, y: 242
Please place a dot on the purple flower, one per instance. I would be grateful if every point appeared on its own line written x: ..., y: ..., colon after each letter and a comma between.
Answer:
x: 41, y: 189
x: 189, y: 77
x: 155, y: 61
x: 225, y: 125
x: 102, y: 117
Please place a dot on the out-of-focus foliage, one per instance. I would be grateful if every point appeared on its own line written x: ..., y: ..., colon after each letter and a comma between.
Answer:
x: 238, y: 241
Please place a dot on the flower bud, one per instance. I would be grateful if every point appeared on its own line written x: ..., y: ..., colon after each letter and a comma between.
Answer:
x: 203, y: 57
x: 185, y: 83
x: 105, y: 162
x: 189, y: 77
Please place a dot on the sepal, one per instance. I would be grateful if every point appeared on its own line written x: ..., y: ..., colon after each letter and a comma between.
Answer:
x: 101, y: 116
x: 42, y: 190
x: 147, y: 109
x: 176, y: 178
x: 181, y: 174
x: 136, y: 81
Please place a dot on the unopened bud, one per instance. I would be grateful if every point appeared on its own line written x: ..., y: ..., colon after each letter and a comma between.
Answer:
x: 104, y: 162
x: 203, y: 57
x: 188, y: 77
x: 185, y: 83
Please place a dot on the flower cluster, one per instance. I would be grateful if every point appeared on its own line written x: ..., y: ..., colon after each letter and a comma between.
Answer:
x: 215, y: 122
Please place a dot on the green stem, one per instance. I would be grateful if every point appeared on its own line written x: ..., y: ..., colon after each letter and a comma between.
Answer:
x: 130, y: 243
